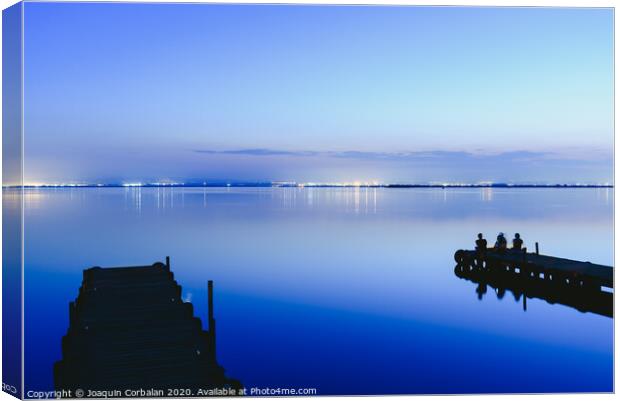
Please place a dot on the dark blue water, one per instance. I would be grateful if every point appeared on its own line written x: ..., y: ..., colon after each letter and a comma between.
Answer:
x: 349, y: 291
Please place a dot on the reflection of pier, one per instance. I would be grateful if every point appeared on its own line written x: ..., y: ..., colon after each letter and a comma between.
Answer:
x: 130, y: 329
x: 563, y: 281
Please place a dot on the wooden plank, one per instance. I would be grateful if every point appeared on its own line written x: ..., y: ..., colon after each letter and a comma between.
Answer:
x: 601, y: 274
x: 129, y: 328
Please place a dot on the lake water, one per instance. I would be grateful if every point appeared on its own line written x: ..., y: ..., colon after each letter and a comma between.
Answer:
x: 349, y: 291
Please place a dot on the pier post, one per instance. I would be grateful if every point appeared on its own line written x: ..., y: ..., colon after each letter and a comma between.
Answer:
x: 537, y: 248
x: 211, y: 319
x: 168, y: 263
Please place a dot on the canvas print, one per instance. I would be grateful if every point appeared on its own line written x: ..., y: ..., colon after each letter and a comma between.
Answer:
x: 306, y: 200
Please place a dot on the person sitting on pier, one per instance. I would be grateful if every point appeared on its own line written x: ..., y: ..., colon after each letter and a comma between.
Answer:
x: 501, y: 244
x: 481, y: 243
x: 481, y: 250
x: 517, y: 242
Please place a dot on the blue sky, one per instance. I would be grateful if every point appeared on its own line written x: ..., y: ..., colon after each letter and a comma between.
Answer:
x: 141, y: 92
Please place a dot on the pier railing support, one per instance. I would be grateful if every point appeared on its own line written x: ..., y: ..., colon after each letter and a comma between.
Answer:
x: 211, y: 318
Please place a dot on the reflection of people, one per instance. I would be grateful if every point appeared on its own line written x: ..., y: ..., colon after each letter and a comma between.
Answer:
x: 481, y: 289
x: 481, y: 243
x: 517, y: 242
x: 501, y: 244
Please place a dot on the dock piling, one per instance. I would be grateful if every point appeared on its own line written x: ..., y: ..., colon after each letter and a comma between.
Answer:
x: 537, y: 249
x: 211, y: 318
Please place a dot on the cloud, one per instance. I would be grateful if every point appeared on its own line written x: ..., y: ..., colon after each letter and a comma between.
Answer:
x: 425, y: 156
x: 256, y: 152
x: 418, y: 166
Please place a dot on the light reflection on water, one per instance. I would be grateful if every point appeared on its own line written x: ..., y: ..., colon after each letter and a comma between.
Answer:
x: 350, y: 290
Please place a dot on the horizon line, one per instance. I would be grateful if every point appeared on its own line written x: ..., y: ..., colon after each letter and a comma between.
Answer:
x: 294, y: 184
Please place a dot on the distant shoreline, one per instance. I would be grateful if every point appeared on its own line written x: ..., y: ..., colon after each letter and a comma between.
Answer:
x: 301, y: 186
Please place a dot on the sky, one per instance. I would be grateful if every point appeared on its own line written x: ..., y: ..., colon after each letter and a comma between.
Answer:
x: 181, y: 92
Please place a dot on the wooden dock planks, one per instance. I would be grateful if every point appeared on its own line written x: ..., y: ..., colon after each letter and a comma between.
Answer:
x: 529, y: 275
x: 564, y: 269
x: 130, y: 329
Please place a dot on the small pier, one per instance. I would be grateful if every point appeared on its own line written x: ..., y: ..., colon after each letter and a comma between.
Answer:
x: 130, y: 329
x: 584, y: 286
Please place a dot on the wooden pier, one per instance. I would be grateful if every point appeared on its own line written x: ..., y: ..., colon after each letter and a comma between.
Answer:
x: 544, y: 267
x: 584, y: 286
x: 130, y: 329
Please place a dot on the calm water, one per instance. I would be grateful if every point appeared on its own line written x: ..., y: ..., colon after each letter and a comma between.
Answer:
x: 350, y: 291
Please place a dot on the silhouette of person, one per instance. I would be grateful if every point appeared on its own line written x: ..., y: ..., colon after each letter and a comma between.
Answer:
x: 481, y: 243
x: 517, y: 242
x: 481, y: 250
x: 501, y: 244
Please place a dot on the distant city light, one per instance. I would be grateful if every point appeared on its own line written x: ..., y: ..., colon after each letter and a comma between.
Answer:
x: 311, y: 184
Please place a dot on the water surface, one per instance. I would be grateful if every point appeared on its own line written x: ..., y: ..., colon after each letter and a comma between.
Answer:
x: 349, y: 291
